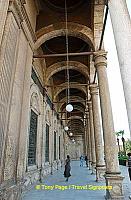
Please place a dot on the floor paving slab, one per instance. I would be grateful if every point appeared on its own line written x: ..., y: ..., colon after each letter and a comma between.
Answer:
x: 80, y: 176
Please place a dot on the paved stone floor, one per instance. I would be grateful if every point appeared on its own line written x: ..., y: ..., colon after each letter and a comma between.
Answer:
x: 81, y: 176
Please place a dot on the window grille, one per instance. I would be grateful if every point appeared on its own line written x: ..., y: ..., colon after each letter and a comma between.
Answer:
x: 32, y: 138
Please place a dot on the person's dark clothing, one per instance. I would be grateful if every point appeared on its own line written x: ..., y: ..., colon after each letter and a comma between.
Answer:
x: 129, y: 166
x: 86, y: 159
x: 81, y: 161
x: 67, y: 168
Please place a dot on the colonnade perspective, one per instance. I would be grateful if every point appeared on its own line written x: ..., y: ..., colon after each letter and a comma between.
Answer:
x: 34, y: 84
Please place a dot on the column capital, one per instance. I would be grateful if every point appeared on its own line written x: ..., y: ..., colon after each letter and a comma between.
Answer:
x: 100, y: 58
x: 94, y: 89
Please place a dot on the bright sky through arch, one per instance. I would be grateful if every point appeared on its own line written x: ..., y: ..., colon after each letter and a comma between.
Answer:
x: 115, y: 83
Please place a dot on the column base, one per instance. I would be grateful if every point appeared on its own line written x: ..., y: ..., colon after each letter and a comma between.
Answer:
x: 115, y: 181
x: 93, y: 168
x: 100, y: 173
x: 9, y: 191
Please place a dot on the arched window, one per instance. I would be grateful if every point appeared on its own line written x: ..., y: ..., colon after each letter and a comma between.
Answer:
x: 47, y: 144
x: 32, y: 138
x: 33, y: 129
x: 54, y: 145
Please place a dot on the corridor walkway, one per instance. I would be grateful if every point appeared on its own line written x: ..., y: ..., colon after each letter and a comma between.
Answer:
x: 81, y: 176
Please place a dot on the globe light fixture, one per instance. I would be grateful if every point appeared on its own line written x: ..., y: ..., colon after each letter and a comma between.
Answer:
x: 69, y: 107
x: 66, y: 128
x: 71, y: 134
x: 73, y: 140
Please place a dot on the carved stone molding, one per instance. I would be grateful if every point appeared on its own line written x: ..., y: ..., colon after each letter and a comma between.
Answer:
x: 16, y: 8
x: 34, y: 102
x: 20, y: 14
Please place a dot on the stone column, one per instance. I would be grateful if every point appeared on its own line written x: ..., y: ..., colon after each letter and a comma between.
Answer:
x: 121, y: 23
x: 86, y: 136
x: 113, y: 177
x: 85, y: 141
x: 89, y: 142
x: 52, y: 142
x: 93, y: 153
x: 100, y: 164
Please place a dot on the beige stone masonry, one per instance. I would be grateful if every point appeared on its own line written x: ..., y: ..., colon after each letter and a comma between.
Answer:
x: 3, y: 14
x: 92, y: 139
x: 110, y: 149
x: 100, y: 164
x: 121, y: 23
x: 89, y: 141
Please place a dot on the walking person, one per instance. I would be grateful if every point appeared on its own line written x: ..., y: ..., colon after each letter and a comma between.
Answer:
x: 81, y: 161
x: 67, y: 168
x: 86, y: 159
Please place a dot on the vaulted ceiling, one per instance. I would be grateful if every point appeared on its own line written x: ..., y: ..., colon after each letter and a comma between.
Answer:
x: 80, y: 12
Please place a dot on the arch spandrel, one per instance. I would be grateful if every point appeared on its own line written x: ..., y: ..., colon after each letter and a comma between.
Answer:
x: 65, y: 86
x: 58, y: 29
x: 78, y: 66
x: 75, y: 117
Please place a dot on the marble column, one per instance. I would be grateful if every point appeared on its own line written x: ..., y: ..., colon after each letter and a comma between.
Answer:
x: 121, y: 23
x: 52, y: 142
x: 89, y: 142
x: 85, y: 141
x: 100, y: 164
x: 113, y: 177
x: 86, y: 137
x: 93, y: 153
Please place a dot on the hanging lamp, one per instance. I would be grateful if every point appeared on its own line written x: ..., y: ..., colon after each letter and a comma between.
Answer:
x: 66, y: 128
x: 69, y: 106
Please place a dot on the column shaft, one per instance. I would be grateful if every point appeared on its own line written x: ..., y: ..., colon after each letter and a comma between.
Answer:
x: 85, y: 142
x: 97, y: 126
x: 107, y: 118
x: 89, y: 141
x: 93, y: 153
x: 121, y: 23
x: 100, y: 164
x: 113, y: 177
